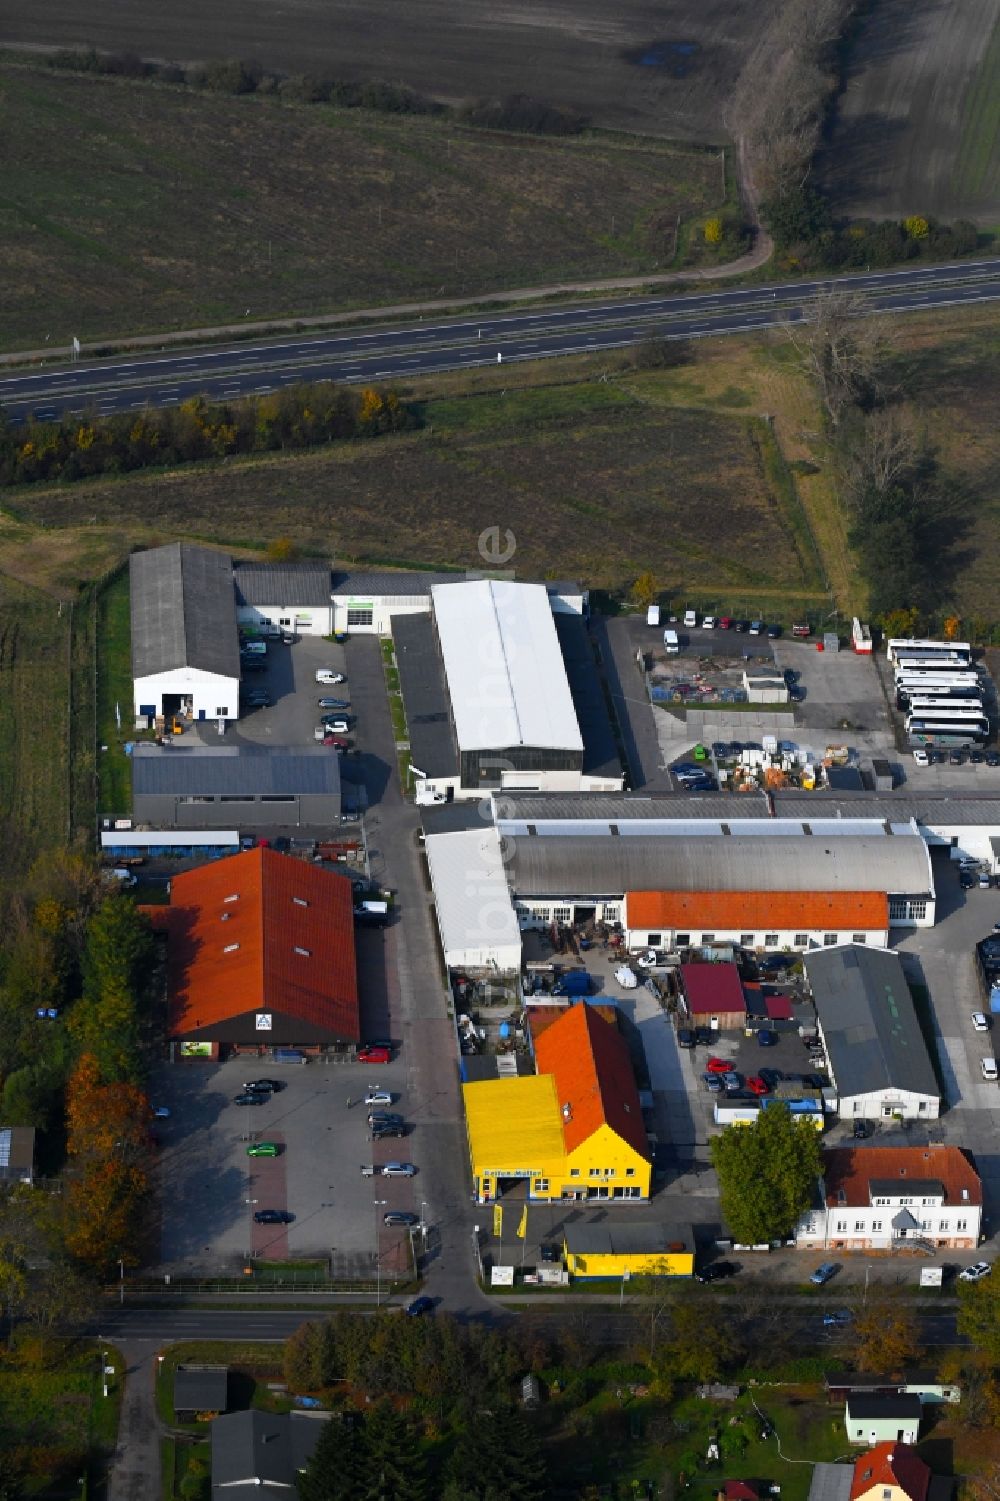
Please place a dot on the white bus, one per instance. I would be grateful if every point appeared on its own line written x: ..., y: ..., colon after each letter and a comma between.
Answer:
x: 957, y: 677
x: 947, y: 711
x: 907, y: 663
x: 961, y: 706
x: 914, y: 646
x: 976, y: 729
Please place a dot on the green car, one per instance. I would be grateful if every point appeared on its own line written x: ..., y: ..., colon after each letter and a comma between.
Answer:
x: 262, y: 1149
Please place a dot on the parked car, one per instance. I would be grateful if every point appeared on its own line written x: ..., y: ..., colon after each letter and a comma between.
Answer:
x: 685, y: 1037
x: 273, y: 1217
x: 704, y: 1036
x: 838, y: 1319
x: 420, y: 1306
x: 398, y: 1170
x: 756, y: 626
x: 993, y: 758
x: 374, y: 1055
x: 976, y: 1272
x: 757, y: 1085
x: 251, y: 1099
x: 988, y: 1066
x: 256, y: 698
x: 550, y: 1253
x: 725, y: 622
x: 288, y: 638
x: 766, y: 1039
x: 732, y: 1081
x: 716, y: 1271
x: 334, y: 703
x: 774, y: 631
x: 263, y: 1086
x: 862, y: 1130
x: 708, y: 623
x: 400, y: 1217
x: 771, y: 1076
x: 161, y: 1112
x: 262, y: 1149
x: 979, y: 1022
x: 713, y: 1083
x: 824, y: 1272
x: 984, y: 880
x: 718, y: 1066
x: 336, y: 742
x: 742, y: 626
x: 384, y: 1118
x: 375, y: 1096
x: 327, y: 675
x: 966, y: 880
x: 382, y: 1132
x: 802, y: 630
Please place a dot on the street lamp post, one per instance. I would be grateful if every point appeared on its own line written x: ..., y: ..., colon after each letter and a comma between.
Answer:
x: 378, y: 1204
x: 121, y: 1281
x: 250, y: 1203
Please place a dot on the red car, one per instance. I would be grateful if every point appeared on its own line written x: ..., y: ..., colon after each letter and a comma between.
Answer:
x: 337, y: 742
x: 719, y: 1066
x: 725, y: 622
x: 374, y: 1055
x: 756, y: 1083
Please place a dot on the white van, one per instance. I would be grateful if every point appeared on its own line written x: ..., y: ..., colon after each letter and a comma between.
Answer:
x: 671, y: 643
x: 652, y: 615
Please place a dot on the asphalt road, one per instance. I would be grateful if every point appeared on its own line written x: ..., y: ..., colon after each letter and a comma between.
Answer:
x: 242, y: 369
x: 606, y: 1324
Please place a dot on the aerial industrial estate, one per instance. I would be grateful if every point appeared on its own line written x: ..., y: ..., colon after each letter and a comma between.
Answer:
x: 500, y: 752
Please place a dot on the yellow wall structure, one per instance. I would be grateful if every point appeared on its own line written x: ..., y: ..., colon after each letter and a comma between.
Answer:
x: 515, y: 1130
x: 635, y: 1264
x: 606, y: 1160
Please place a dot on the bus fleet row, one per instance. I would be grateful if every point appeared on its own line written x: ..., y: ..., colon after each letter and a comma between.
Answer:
x: 939, y: 690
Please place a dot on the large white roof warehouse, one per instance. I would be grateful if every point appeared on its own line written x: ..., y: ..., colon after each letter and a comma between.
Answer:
x: 505, y: 671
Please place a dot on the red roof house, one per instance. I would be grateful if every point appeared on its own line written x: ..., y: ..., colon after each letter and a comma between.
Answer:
x: 714, y: 993
x: 890, y: 1472
x: 260, y: 950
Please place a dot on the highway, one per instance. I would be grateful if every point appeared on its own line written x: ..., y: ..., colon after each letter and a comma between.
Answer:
x: 400, y: 353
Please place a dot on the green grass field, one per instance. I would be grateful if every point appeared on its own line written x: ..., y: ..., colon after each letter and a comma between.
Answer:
x: 600, y: 479
x: 34, y: 719
x: 978, y: 168
x: 176, y: 208
x: 114, y: 696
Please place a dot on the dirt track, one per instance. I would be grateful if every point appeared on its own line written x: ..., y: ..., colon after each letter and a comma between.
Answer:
x: 919, y: 122
x: 665, y: 68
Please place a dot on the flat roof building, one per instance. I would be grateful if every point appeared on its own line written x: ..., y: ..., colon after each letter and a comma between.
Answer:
x: 215, y: 786
x: 491, y: 700
x: 476, y: 921
x: 628, y: 1249
x: 755, y: 919
x: 878, y: 1058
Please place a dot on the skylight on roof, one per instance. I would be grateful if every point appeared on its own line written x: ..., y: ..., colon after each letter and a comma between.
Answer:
x: 304, y: 952
x: 233, y: 897
x: 230, y: 948
x: 300, y: 901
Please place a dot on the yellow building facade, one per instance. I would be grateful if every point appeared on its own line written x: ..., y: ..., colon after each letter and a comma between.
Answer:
x: 630, y: 1250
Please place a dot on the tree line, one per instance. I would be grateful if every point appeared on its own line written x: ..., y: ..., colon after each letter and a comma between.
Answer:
x: 515, y: 111
x: 75, y: 447
x: 78, y: 980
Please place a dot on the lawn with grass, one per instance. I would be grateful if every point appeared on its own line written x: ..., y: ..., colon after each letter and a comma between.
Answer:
x: 597, y: 479
x: 178, y: 208
x: 34, y: 719
x: 57, y: 1418
x: 114, y: 696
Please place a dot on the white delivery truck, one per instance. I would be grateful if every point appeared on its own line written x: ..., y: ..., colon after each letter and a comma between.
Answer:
x: 671, y: 643
x: 652, y: 615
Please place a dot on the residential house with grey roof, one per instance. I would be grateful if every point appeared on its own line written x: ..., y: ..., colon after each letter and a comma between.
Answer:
x: 262, y: 1454
x: 185, y: 645
x: 879, y: 1064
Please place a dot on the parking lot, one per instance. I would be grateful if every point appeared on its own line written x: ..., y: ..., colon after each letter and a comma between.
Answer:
x: 211, y: 1188
x: 289, y: 677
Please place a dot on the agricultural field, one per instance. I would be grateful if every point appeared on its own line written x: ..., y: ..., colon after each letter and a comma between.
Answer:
x: 597, y: 478
x: 919, y: 122
x: 178, y: 208
x: 627, y: 66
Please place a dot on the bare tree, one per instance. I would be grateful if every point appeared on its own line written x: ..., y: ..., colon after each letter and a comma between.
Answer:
x: 887, y: 453
x: 843, y: 349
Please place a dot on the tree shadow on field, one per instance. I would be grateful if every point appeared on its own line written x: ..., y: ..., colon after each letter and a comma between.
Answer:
x: 885, y: 28
x: 944, y: 533
x: 856, y: 161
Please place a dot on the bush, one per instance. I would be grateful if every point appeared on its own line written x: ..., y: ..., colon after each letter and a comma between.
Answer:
x: 660, y: 354
x: 520, y: 112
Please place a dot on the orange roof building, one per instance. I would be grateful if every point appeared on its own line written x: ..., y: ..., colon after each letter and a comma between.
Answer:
x: 890, y: 1472
x: 574, y: 1131
x: 764, y: 919
x: 260, y: 950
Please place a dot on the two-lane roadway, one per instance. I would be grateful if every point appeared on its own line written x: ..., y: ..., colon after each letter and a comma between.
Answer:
x: 422, y: 348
